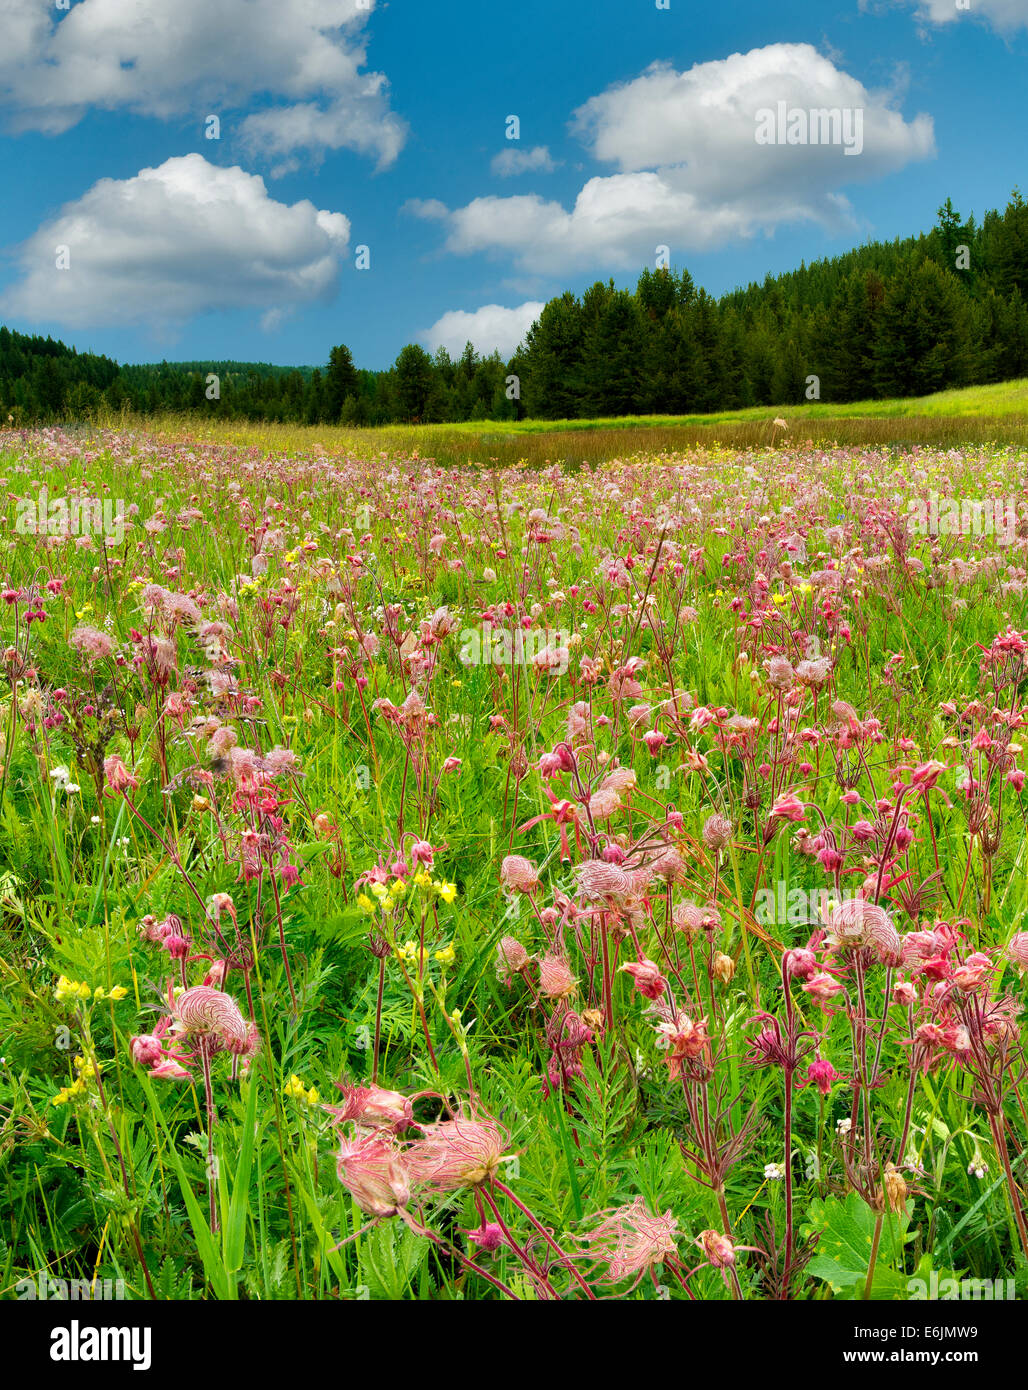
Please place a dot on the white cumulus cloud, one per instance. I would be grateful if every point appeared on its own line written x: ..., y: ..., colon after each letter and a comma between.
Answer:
x: 169, y: 58
x: 491, y: 329
x: 1003, y: 15
x: 690, y: 171
x: 172, y: 242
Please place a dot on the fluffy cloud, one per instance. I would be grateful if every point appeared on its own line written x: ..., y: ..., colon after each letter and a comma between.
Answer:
x: 513, y: 161
x: 169, y: 58
x: 1004, y: 15
x: 173, y: 242
x: 491, y: 328
x: 691, y: 173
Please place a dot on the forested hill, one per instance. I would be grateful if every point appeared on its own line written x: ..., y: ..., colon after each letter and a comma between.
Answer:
x: 903, y: 318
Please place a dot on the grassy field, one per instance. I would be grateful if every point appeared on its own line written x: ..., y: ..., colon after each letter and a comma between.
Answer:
x: 977, y: 415
x: 427, y: 883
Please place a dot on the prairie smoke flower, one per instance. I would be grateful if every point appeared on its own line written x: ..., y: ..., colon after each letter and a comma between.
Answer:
x: 857, y: 923
x: 372, y: 1170
x: 147, y: 1049
x: 823, y: 986
x: 648, y: 978
x: 823, y: 1075
x: 213, y: 1019
x: 788, y: 807
x: 489, y: 1237
x: 680, y: 1037
x: 519, y: 874
x: 511, y: 959
x: 374, y: 1107
x: 904, y: 993
x: 555, y: 978
x: 597, y: 881
x: 1018, y: 950
x: 894, y: 1188
x: 973, y: 973
x: 117, y: 775
x: 91, y: 643
x: 718, y: 1249
x: 724, y: 968
x: 456, y: 1153
x: 630, y: 1240
x: 780, y: 673
x: 603, y: 803
x: 717, y: 832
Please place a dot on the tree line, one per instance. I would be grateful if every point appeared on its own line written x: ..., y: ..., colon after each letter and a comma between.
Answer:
x: 944, y: 309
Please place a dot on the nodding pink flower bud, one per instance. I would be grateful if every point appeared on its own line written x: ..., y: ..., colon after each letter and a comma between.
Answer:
x: 654, y: 741
x: 719, y: 1250
x: 511, y: 957
x: 177, y: 947
x: 862, y: 831
x: 489, y: 1237
x: 555, y: 977
x: 800, y: 963
x: 823, y: 1075
x: 146, y: 1049
x: 904, y: 838
x: 118, y: 777
x: 422, y: 852
x: 717, y: 832
x: 452, y: 765
x: 650, y: 983
x: 850, y: 798
x: 169, y: 1070
x: 549, y: 917
x: 788, y: 807
x: 831, y: 860
x: 519, y: 874
x: 373, y: 1173
x: 613, y: 854
x: 926, y: 776
x: 904, y: 993
x: 219, y: 903
x: 456, y: 1153
x: 676, y: 820
x: 973, y: 973
x: 374, y: 1107
x: 823, y: 986
x: 216, y: 975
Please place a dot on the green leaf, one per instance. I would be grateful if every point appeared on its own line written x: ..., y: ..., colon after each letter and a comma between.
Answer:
x: 846, y: 1238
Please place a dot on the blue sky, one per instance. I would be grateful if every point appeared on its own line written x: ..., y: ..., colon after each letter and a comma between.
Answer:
x: 346, y: 124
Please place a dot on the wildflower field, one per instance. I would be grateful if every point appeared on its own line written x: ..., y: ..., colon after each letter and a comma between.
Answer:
x: 507, y: 883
